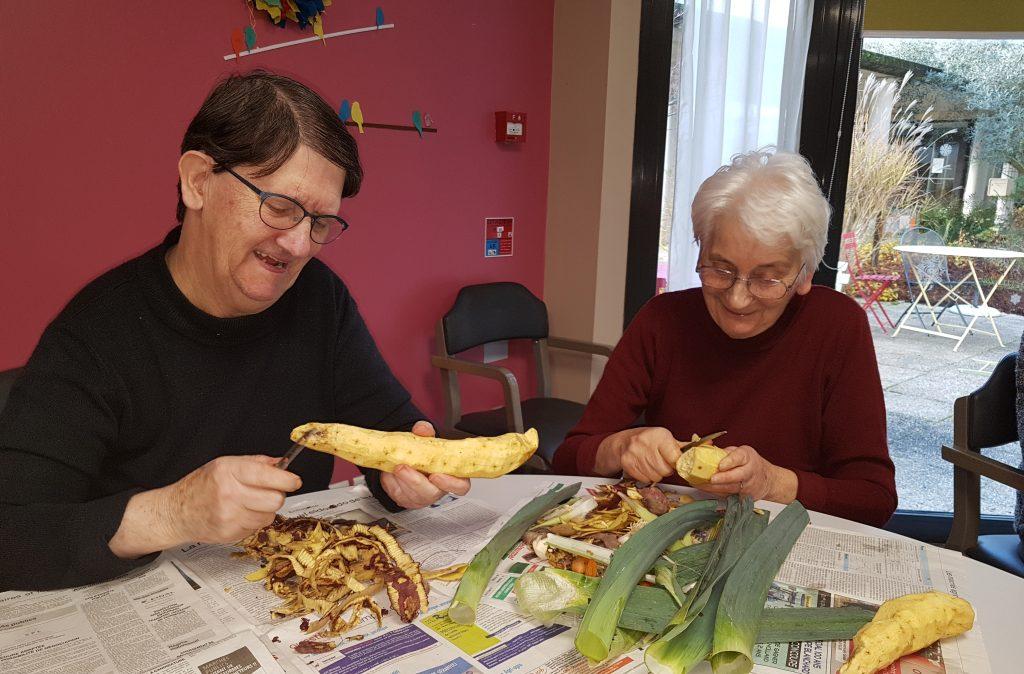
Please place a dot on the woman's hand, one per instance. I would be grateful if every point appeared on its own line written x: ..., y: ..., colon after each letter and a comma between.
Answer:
x: 647, y: 454
x: 746, y: 472
x: 411, y: 489
x: 222, y: 501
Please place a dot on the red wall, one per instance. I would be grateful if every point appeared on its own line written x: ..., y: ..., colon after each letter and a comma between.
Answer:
x: 96, y: 97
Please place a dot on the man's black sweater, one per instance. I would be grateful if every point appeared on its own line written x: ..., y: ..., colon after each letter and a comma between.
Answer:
x: 132, y: 387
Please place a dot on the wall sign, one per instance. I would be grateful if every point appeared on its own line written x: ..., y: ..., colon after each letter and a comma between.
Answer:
x: 498, y: 236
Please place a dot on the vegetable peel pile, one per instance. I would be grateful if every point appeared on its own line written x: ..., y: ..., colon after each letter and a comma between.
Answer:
x: 600, y: 522
x: 334, y: 569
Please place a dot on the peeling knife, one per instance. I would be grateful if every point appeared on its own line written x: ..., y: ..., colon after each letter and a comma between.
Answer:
x: 701, y: 441
x: 292, y: 452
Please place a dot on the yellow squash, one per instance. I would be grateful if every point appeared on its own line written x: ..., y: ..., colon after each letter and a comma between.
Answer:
x: 470, y: 457
x: 699, y: 463
x: 906, y: 625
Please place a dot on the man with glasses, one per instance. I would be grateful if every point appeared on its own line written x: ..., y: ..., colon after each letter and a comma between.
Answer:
x: 154, y: 408
x: 787, y: 369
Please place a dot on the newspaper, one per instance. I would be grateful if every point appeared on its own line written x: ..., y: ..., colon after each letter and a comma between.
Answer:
x: 148, y: 617
x: 193, y: 611
x: 238, y: 654
x: 828, y: 567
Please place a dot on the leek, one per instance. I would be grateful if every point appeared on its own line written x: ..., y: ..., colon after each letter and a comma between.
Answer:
x: 480, y: 570
x: 739, y: 613
x: 597, y: 553
x: 691, y: 639
x: 688, y: 562
x: 685, y: 650
x: 574, y: 510
x: 628, y: 565
x: 546, y: 593
x: 812, y: 624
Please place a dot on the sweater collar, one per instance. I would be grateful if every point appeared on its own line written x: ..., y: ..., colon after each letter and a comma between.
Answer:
x: 175, y: 309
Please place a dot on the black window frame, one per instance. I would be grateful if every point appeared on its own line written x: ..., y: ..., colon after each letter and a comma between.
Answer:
x: 833, y: 62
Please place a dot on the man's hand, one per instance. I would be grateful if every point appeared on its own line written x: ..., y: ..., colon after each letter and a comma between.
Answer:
x: 746, y: 472
x: 647, y: 454
x: 221, y: 502
x: 410, y: 488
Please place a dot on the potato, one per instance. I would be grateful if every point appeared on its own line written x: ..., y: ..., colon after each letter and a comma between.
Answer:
x: 906, y: 625
x: 699, y: 463
x: 470, y: 457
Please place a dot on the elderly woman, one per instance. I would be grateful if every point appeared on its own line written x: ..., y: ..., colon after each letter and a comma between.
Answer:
x: 154, y: 409
x: 787, y: 368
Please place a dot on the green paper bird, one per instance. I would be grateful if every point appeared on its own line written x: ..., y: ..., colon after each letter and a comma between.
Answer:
x: 417, y: 121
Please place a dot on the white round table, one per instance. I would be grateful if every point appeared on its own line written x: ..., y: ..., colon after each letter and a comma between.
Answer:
x: 978, y: 309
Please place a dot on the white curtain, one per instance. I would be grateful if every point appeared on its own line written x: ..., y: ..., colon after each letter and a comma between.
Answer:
x: 741, y: 75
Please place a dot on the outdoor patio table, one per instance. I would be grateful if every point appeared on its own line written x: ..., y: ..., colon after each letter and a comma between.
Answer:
x: 977, y: 309
x: 997, y: 597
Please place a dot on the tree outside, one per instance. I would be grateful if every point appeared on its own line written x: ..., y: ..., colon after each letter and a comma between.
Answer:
x: 936, y: 121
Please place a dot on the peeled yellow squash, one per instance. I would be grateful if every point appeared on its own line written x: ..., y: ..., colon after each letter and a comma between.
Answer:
x: 470, y: 457
x: 699, y: 463
x: 906, y: 625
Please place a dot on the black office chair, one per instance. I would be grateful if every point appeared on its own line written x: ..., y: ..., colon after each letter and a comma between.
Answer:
x: 7, y: 378
x: 493, y: 312
x: 985, y: 418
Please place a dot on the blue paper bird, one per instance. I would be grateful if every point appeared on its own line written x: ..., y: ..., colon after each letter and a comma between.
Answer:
x: 345, y: 111
x: 380, y: 17
x: 417, y: 121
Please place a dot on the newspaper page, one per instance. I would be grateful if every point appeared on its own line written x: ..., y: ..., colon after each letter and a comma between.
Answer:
x: 828, y: 567
x: 146, y: 618
x: 238, y: 654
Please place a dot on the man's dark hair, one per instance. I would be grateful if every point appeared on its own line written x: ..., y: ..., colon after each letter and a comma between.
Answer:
x: 259, y: 119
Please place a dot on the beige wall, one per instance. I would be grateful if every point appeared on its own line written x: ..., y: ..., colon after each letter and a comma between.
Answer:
x: 593, y: 101
x: 945, y: 15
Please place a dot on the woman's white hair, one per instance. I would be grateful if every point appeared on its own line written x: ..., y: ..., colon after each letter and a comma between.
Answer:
x: 774, y: 195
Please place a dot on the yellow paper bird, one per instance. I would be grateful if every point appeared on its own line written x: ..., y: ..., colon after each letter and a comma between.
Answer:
x: 357, y: 115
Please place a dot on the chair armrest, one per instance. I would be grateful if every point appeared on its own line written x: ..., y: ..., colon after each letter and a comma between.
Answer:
x: 509, y: 385
x: 980, y: 464
x: 576, y: 345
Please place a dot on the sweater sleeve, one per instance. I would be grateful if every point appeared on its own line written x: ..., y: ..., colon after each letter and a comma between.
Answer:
x: 367, y: 394
x: 620, y: 397
x: 857, y: 479
x: 56, y: 434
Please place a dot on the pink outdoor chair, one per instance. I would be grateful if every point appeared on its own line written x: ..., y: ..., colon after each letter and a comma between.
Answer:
x: 868, y: 286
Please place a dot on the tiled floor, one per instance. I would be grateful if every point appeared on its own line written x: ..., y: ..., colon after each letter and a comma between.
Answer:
x: 921, y: 377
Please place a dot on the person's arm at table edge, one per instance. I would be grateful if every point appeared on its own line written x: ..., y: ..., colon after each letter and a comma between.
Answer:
x: 618, y: 400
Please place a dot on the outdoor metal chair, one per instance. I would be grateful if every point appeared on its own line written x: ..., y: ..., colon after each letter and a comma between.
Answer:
x: 985, y: 418
x: 868, y: 286
x: 932, y: 270
x: 492, y: 312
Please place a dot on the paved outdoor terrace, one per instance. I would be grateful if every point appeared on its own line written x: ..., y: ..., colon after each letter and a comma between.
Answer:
x: 921, y: 377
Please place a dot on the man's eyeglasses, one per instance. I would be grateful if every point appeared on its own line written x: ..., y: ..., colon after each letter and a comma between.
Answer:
x: 760, y: 287
x: 283, y: 212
